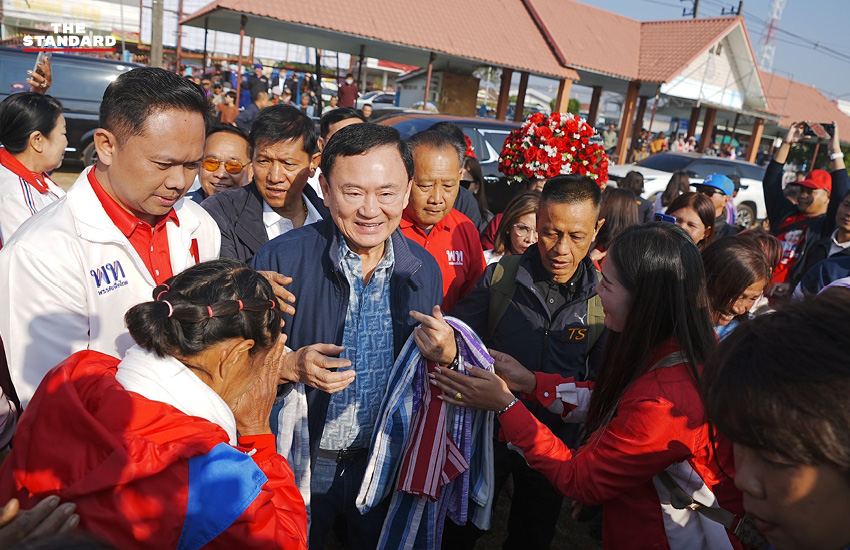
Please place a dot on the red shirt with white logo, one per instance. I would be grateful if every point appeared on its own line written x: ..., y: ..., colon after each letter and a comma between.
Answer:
x: 455, y: 244
x: 151, y: 243
x: 792, y: 246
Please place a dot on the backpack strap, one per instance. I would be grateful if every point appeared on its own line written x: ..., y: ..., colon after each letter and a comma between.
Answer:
x: 502, y: 289
x: 595, y: 319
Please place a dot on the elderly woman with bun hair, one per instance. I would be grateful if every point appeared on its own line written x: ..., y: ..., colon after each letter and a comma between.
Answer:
x: 171, y: 446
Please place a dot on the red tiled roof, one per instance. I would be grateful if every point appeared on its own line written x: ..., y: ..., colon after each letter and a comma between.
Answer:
x: 592, y: 38
x: 667, y: 47
x: 509, y: 38
x: 795, y: 101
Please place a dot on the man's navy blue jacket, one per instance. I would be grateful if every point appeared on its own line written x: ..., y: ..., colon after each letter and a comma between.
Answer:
x: 309, y: 255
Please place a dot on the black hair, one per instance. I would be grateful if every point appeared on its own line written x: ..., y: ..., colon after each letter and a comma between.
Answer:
x: 786, y: 395
x: 219, y: 127
x: 660, y: 266
x: 434, y: 139
x: 337, y: 115
x: 619, y: 209
x: 571, y: 189
x: 632, y: 182
x: 206, y: 304
x: 349, y: 74
x: 231, y: 94
x: 454, y: 132
x: 358, y: 139
x: 732, y: 265
x: 278, y: 123
x: 25, y: 113
x: 135, y: 95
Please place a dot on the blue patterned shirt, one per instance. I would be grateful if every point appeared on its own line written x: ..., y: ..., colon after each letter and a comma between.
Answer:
x: 368, y: 341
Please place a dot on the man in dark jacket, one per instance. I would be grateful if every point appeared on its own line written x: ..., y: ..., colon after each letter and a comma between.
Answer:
x: 799, y: 226
x: 278, y: 199
x: 245, y: 119
x: 258, y: 82
x: 357, y: 278
x: 348, y: 92
x: 547, y: 324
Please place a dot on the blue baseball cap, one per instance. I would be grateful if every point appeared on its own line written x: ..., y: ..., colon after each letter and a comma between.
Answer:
x: 258, y: 65
x: 721, y: 182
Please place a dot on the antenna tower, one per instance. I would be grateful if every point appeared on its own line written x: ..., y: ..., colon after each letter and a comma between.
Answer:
x: 768, y: 35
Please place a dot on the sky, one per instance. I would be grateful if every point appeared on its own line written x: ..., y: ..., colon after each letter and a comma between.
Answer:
x: 826, y: 22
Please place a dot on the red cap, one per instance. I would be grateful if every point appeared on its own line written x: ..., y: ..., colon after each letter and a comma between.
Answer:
x: 818, y: 179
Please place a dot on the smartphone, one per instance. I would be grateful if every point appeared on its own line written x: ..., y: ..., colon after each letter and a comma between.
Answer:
x: 659, y: 217
x: 39, y: 60
x: 822, y: 130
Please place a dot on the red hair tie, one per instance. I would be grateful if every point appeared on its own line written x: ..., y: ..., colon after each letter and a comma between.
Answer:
x: 240, y: 304
x: 272, y: 301
x: 210, y: 310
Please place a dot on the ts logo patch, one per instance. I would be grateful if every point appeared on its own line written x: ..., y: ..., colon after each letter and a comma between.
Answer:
x: 575, y: 334
x: 102, y: 275
x: 455, y: 257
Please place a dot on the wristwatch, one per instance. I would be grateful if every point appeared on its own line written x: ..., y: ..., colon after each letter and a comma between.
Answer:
x: 835, y: 156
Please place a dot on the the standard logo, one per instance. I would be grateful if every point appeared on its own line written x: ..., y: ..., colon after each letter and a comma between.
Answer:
x: 102, y: 275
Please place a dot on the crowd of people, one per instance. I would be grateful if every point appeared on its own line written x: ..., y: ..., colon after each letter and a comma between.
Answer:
x: 333, y: 337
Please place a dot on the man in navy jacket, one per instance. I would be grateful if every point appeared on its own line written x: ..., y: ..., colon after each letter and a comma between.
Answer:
x: 357, y: 278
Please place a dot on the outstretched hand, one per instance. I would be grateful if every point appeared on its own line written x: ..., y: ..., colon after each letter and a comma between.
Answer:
x: 284, y: 297
x: 517, y: 377
x: 478, y: 390
x: 313, y: 365
x: 795, y: 133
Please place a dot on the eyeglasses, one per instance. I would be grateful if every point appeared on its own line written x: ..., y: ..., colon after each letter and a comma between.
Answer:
x: 232, y: 166
x: 523, y: 230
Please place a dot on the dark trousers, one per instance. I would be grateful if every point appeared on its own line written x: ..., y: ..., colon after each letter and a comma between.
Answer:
x: 535, y: 507
x: 333, y: 488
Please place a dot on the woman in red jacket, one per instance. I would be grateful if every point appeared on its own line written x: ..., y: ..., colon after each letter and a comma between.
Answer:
x: 170, y: 447
x: 645, y: 415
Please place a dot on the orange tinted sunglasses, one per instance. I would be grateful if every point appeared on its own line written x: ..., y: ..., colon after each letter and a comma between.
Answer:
x: 233, y: 166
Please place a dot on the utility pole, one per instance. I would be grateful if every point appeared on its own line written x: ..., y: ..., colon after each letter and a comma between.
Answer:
x: 179, y: 48
x: 156, y: 34
x: 694, y: 11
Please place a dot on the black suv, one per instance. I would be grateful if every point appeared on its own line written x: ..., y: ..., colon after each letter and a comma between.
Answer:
x: 78, y: 82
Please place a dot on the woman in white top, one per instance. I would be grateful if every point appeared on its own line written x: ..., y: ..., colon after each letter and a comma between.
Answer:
x: 32, y: 132
x: 518, y: 227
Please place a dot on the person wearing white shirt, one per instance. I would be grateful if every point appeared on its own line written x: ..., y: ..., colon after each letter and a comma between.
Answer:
x: 32, y: 132
x: 285, y: 153
x: 75, y: 268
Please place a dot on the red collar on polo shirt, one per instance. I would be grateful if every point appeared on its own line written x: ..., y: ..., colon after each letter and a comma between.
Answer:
x: 151, y: 243
x: 407, y: 222
x: 36, y: 179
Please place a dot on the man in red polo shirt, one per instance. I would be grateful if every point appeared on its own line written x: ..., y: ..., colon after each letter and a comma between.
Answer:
x: 123, y: 228
x: 431, y: 221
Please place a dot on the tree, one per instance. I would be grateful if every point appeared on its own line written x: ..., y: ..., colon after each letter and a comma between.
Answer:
x: 573, y: 107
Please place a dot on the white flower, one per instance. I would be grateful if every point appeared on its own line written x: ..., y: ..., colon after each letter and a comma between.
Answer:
x: 565, y: 169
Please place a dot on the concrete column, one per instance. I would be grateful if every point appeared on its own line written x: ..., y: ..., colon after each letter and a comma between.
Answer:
x: 562, y: 100
x: 641, y: 111
x: 622, y: 149
x: 755, y: 140
x: 707, y: 128
x: 692, y: 123
x: 504, y: 94
x: 594, y: 105
x: 520, y: 96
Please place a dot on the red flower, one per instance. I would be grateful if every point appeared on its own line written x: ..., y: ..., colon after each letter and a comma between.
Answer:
x: 530, y: 154
x: 553, y: 170
x: 544, y: 132
x: 571, y: 127
x: 527, y: 172
x: 542, y: 156
x: 536, y: 118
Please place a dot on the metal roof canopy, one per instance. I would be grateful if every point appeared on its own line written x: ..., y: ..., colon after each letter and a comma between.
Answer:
x: 228, y: 20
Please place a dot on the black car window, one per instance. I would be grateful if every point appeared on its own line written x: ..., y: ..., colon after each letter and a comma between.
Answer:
x: 704, y: 168
x: 412, y: 125
x: 14, y: 69
x: 82, y: 83
x: 666, y: 162
x: 384, y: 98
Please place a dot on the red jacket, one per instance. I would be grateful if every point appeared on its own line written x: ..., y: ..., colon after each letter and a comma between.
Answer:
x: 143, y: 474
x: 660, y: 424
